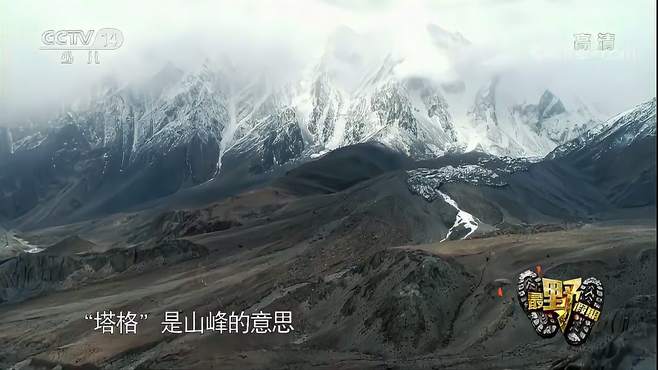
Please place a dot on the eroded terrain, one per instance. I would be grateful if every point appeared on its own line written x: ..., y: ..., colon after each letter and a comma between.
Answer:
x: 363, y: 292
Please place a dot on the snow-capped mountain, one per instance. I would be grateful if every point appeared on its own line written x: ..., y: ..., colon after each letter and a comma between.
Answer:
x: 348, y: 97
x: 207, y: 116
x: 407, y: 114
x: 618, y: 132
x: 273, y: 141
x: 619, y: 155
x: 523, y: 130
x: 178, y: 129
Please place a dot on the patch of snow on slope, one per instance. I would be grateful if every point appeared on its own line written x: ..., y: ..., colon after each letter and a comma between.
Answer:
x: 463, y: 219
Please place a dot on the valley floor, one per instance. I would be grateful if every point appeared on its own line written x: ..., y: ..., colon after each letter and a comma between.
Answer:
x: 422, y: 306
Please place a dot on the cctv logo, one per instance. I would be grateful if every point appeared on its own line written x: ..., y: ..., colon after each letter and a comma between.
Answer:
x: 103, y: 39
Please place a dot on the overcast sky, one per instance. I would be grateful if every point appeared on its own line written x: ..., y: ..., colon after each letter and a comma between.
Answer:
x: 525, y: 40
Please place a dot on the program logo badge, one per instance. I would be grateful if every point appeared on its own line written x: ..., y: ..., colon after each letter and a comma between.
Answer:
x: 572, y: 306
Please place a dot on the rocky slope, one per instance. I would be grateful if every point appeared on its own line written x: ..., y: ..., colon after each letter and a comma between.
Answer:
x: 619, y: 155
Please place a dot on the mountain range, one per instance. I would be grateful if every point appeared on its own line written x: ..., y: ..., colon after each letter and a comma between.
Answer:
x: 216, y: 128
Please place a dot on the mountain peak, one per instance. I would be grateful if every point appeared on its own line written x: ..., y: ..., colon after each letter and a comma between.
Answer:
x: 484, y: 109
x: 549, y: 106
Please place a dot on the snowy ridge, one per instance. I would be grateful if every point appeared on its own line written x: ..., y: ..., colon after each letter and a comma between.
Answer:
x: 623, y: 129
x: 274, y: 141
x: 409, y: 115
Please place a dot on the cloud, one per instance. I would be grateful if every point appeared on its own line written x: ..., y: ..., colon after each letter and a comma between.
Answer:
x: 528, y: 41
